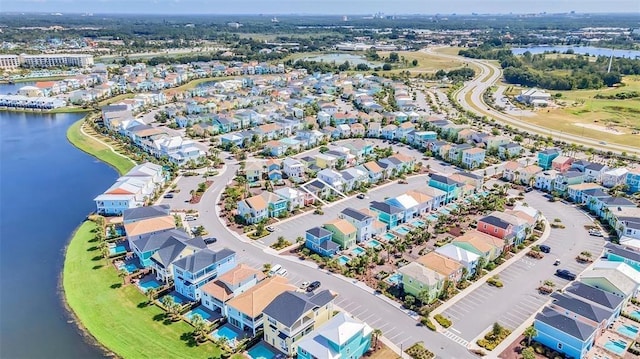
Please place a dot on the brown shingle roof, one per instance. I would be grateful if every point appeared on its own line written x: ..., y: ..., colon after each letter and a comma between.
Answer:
x: 240, y: 273
x: 253, y: 301
x: 343, y: 226
x: 439, y: 263
x: 150, y: 225
x: 256, y: 202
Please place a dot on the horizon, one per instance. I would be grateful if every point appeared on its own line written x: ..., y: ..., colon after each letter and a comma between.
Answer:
x: 320, y: 8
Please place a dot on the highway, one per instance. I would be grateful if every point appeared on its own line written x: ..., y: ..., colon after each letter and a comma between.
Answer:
x: 489, y: 75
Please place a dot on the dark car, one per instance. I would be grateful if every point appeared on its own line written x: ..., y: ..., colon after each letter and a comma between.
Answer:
x: 566, y: 274
x: 361, y: 196
x: 210, y: 240
x: 168, y: 195
x: 528, y: 189
x: 313, y: 286
x: 545, y: 249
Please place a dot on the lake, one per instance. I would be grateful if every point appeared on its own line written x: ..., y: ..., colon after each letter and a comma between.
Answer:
x: 46, y: 190
x: 583, y: 50
x: 6, y: 89
x: 340, y: 59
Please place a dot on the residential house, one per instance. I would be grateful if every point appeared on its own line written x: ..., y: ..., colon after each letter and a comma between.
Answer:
x: 254, y: 209
x: 147, y: 226
x: 425, y: 202
x: 495, y: 225
x: 615, y: 176
x: 446, y: 184
x: 561, y: 163
x: 245, y: 311
x: 320, y: 241
x: 455, y: 152
x: 238, y: 280
x: 621, y: 254
x: 546, y: 157
x: 343, y: 233
x: 511, y: 171
x: 407, y: 204
x: 509, y: 150
x: 564, y: 180
x: 166, y: 248
x: 341, y: 337
x: 357, y: 130
x: 595, y: 296
x: 439, y: 196
x: 545, y: 180
x: 295, y: 198
x: 332, y: 178
x: 473, y: 157
x: 389, y: 132
x: 443, y: 265
x: 421, y: 282
x: 611, y: 280
x: 582, y: 310
x: 606, y: 207
x: 254, y: 170
x: 484, y: 245
x: 323, y: 160
x: 468, y: 259
x: 374, y: 130
x: 361, y: 221
x: 582, y: 193
x: 374, y: 170
x: 565, y: 334
x: 389, y: 214
x: 594, y: 172
x: 192, y: 272
x: 292, y: 315
x: 275, y: 148
x: 528, y: 174
x: 353, y: 178
x: 626, y: 221
x: 633, y: 180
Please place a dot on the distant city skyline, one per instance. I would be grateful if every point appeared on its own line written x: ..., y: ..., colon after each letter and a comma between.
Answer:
x: 320, y: 7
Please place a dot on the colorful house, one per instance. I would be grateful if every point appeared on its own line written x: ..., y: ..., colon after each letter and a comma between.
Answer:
x: 343, y: 233
x: 496, y: 226
x: 443, y: 265
x: 446, y: 184
x: 484, y: 245
x: 633, y: 180
x: 473, y: 157
x: 236, y: 281
x: 467, y: 258
x: 387, y: 213
x: 319, y: 240
x: 341, y: 337
x: 292, y: 315
x: 546, y: 157
x: 362, y: 221
x: 190, y: 273
x: 407, y: 204
x: 418, y: 279
x: 567, y: 335
x: 561, y: 163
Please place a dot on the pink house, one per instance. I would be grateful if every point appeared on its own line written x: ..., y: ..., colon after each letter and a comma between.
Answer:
x: 561, y: 163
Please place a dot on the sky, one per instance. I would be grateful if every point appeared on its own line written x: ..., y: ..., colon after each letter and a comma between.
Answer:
x: 328, y: 7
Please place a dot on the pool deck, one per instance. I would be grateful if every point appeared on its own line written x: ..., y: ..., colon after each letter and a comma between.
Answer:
x: 610, y: 335
x: 213, y: 316
x: 622, y: 321
x: 276, y: 353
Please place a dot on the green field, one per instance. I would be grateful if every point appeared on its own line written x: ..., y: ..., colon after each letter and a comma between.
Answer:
x: 427, y: 63
x: 97, y: 149
x: 118, y: 317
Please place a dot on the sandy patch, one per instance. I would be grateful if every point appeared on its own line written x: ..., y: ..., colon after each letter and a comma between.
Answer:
x: 610, y: 130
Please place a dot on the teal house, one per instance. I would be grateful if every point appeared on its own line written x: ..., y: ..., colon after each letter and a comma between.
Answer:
x: 451, y: 187
x: 546, y: 157
x: 616, y: 253
x: 341, y: 337
x: 319, y: 240
x: 388, y: 214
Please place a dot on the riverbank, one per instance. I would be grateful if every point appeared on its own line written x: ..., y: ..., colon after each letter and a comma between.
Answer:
x: 33, y: 79
x: 97, y: 149
x: 118, y: 317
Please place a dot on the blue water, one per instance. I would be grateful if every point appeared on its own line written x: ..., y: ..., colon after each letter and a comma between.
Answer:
x: 177, y: 298
x: 358, y: 251
x: 261, y: 351
x: 635, y: 314
x: 583, y: 50
x: 389, y: 236
x: 226, y: 331
x: 401, y: 230
x: 373, y: 244
x: 417, y: 223
x: 630, y: 331
x: 118, y: 249
x: 199, y: 311
x: 615, y: 346
x: 432, y: 218
x: 152, y: 283
x: 44, y: 179
x: 343, y: 260
x: 395, y: 278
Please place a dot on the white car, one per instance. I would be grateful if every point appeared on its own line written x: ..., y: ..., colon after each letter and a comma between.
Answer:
x: 270, y: 229
x: 304, y: 285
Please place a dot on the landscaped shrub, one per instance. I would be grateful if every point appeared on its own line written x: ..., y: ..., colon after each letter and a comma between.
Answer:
x: 428, y: 323
x: 445, y: 322
x: 418, y: 351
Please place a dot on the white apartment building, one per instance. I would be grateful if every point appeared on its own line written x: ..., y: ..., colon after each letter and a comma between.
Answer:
x: 45, y: 60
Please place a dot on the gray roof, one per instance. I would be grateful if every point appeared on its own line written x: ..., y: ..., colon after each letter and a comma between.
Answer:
x: 290, y: 306
x: 385, y: 207
x: 595, y: 192
x: 622, y: 252
x: 355, y: 214
x: 202, y: 259
x: 581, y: 308
x: 330, y: 246
x: 550, y: 151
x: 618, y: 201
x: 495, y: 221
x: 595, y: 167
x: 443, y: 179
x: 564, y: 324
x: 136, y: 214
x: 318, y: 232
x: 151, y: 242
x: 595, y: 295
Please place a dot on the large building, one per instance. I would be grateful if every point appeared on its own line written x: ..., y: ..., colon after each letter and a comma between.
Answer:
x: 45, y: 60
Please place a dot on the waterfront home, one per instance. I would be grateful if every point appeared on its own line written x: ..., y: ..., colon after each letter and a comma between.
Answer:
x: 192, y: 272
x: 236, y: 281
x: 341, y: 337
x: 362, y: 221
x: 131, y: 190
x: 418, y: 280
x: 320, y: 241
x: 565, y: 334
x: 146, y: 245
x: 174, y: 247
x: 343, y: 233
x: 467, y: 258
x: 546, y: 157
x: 484, y: 245
x: 292, y: 315
x: 245, y: 311
x: 445, y: 266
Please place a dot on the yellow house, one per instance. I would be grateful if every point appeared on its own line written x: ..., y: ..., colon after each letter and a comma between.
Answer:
x: 292, y: 315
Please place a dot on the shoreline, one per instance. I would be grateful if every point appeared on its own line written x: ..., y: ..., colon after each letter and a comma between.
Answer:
x: 65, y: 109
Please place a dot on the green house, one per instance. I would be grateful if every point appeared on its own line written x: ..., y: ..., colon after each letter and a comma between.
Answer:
x: 417, y: 279
x: 343, y: 233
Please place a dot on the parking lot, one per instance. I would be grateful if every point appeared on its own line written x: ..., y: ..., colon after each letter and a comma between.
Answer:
x: 512, y: 304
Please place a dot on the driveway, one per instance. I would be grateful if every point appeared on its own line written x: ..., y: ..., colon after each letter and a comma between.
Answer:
x: 512, y: 304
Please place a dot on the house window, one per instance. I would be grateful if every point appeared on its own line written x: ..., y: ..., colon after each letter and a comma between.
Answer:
x: 495, y: 230
x: 484, y: 226
x: 302, y: 351
x: 559, y: 345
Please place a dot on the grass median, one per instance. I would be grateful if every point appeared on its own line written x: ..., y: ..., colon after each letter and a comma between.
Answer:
x: 118, y: 317
x: 97, y: 149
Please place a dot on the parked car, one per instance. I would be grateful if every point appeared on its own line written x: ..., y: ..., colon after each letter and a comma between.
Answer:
x: 304, y: 285
x: 274, y: 269
x: 190, y: 218
x: 270, y: 229
x: 361, y: 196
x: 313, y: 286
x: 528, y: 189
x: 168, y: 195
x: 595, y: 233
x: 557, y: 262
x: 210, y: 240
x: 283, y: 273
x: 566, y: 274
x: 545, y: 249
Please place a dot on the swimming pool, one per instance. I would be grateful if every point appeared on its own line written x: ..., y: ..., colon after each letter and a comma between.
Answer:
x: 395, y: 278
x: 417, y: 223
x: 146, y: 285
x: 635, y: 314
x: 343, y: 260
x: 373, y: 244
x: 630, y: 331
x: 358, y: 251
x: 444, y: 211
x: 226, y: 331
x: 616, y: 346
x: 177, y: 298
x: 199, y: 311
x: 119, y: 249
x: 388, y: 236
x: 453, y: 206
x: 261, y: 351
x: 432, y: 218
x: 401, y: 230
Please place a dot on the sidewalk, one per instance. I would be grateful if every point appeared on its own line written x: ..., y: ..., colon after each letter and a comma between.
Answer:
x: 500, y: 268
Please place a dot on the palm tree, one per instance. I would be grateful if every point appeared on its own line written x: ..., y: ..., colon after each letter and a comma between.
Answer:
x: 199, y: 328
x: 376, y: 334
x: 123, y: 274
x: 151, y: 294
x: 530, y: 332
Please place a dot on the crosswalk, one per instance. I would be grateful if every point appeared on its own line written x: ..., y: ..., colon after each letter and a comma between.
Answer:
x: 455, y: 338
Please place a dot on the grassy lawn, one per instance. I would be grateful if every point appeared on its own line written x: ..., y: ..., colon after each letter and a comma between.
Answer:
x: 427, y: 63
x: 97, y: 149
x: 118, y: 316
x: 35, y: 79
x: 192, y: 84
x: 116, y: 98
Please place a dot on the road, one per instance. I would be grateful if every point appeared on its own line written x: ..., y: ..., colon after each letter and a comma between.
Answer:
x: 489, y: 75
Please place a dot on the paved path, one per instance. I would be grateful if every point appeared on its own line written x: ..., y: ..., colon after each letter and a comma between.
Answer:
x: 104, y: 143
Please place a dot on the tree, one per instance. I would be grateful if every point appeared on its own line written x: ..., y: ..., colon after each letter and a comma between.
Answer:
x: 409, y: 301
x: 497, y: 329
x: 386, y: 67
x: 123, y: 274
x: 199, y: 328
x: 376, y: 334
x: 414, y: 62
x: 528, y: 353
x: 530, y: 332
x: 266, y: 268
x: 151, y: 294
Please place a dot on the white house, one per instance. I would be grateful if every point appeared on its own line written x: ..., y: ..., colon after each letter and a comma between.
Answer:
x: 545, y: 180
x: 614, y: 177
x: 468, y: 259
x: 534, y: 97
x: 362, y: 221
x: 331, y: 177
x: 295, y: 197
x: 293, y: 168
x: 594, y: 172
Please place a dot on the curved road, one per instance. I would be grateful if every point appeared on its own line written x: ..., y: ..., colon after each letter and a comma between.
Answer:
x: 489, y: 75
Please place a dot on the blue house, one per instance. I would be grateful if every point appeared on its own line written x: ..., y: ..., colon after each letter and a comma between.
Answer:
x: 318, y: 240
x: 616, y: 253
x: 387, y: 213
x: 190, y: 273
x: 546, y: 157
x: 148, y: 244
x: 341, y: 337
x: 567, y: 335
x: 450, y: 186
